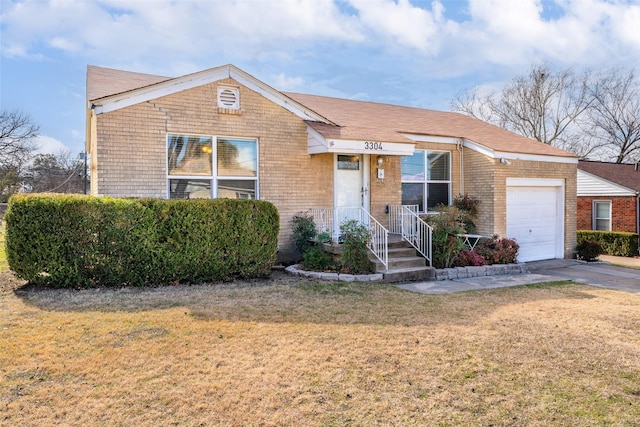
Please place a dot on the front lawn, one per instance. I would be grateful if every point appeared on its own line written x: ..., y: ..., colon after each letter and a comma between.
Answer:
x: 292, y: 352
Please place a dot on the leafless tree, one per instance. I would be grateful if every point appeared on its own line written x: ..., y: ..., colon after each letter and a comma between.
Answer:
x: 17, y: 143
x: 545, y: 105
x: 61, y: 173
x: 614, y: 116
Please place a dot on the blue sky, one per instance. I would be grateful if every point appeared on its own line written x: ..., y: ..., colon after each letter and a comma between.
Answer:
x: 415, y: 53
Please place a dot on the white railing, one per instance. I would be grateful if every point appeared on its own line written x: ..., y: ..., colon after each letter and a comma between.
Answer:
x: 404, y: 220
x: 395, y: 217
x: 329, y: 220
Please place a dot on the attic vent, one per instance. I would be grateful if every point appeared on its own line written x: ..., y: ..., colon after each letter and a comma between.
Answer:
x: 229, y: 97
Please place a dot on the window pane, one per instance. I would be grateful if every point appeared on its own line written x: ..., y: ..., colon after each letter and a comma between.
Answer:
x: 437, y: 194
x: 413, y: 167
x: 602, y: 210
x: 237, y: 157
x: 190, y: 188
x: 348, y: 162
x: 413, y: 194
x: 603, y: 225
x: 189, y: 155
x: 438, y: 166
x: 236, y: 189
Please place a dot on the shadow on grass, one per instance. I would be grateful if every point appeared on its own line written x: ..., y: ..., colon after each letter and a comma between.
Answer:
x: 286, y: 299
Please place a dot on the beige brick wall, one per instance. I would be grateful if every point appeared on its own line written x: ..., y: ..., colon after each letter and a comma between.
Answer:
x: 132, y: 158
x: 486, y: 179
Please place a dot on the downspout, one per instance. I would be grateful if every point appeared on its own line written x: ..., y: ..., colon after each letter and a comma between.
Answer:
x: 460, y: 147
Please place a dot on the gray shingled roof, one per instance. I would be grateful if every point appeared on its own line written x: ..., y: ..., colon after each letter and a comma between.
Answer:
x: 625, y: 174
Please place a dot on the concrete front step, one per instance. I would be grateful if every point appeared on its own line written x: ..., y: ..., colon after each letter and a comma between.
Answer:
x: 405, y: 264
x: 409, y: 274
x: 400, y: 263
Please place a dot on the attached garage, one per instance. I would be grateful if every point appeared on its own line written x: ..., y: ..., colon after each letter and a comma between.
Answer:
x: 535, y: 217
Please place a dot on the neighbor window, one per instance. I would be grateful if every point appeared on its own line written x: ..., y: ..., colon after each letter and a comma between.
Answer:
x: 207, y: 167
x: 602, y: 215
x: 426, y: 179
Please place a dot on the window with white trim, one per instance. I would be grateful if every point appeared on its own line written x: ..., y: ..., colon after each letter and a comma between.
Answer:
x: 426, y: 179
x: 204, y: 167
x: 602, y: 215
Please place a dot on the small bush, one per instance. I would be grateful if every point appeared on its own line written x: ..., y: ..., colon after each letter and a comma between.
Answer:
x: 304, y: 229
x: 316, y: 259
x: 355, y: 254
x: 468, y: 257
x: 498, y: 251
x: 588, y: 250
x: 613, y: 242
x: 447, y: 225
x: 469, y: 207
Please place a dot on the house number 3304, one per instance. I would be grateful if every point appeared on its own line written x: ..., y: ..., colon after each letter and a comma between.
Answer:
x: 373, y: 145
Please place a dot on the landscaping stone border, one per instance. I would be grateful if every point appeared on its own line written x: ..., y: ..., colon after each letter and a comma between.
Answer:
x: 296, y: 271
x: 441, y: 274
x: 485, y: 270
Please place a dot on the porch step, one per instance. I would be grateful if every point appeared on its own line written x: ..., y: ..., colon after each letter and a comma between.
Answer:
x: 405, y: 264
x: 401, y: 262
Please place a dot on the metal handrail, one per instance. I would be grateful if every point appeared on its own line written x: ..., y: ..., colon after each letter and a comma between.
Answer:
x: 404, y: 220
x: 328, y: 220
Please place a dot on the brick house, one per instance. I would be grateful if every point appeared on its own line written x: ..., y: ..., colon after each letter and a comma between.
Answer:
x: 608, y: 196
x: 223, y: 133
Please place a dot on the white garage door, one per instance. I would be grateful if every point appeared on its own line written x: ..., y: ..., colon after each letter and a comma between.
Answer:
x: 534, y: 219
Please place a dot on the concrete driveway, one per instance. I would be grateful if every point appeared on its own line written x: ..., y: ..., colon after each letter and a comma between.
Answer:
x: 596, y: 274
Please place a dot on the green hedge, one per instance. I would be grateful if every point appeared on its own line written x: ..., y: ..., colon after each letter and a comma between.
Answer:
x: 612, y: 242
x: 84, y: 241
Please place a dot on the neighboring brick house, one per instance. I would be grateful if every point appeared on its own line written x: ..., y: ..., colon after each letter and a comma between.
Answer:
x: 608, y: 196
x: 223, y: 133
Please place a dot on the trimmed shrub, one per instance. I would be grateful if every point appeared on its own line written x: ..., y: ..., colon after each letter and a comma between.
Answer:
x: 84, y: 241
x: 612, y: 242
x: 468, y: 257
x: 355, y: 254
x: 498, y: 251
x: 316, y: 259
x: 304, y: 229
x: 588, y: 250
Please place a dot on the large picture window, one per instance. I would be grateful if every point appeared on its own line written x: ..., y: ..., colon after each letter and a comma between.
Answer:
x: 426, y: 179
x: 209, y: 167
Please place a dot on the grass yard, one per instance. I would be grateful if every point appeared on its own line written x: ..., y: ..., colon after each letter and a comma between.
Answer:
x: 293, y: 352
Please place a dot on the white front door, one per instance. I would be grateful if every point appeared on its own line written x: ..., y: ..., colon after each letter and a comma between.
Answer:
x: 351, y: 191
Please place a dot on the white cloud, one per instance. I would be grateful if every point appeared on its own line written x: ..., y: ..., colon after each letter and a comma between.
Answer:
x: 402, y: 23
x: 49, y: 145
x: 286, y: 83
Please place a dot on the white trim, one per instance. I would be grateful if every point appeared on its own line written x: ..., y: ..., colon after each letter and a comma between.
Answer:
x: 432, y: 138
x: 316, y: 144
x: 517, y: 156
x: 190, y: 81
x: 535, y: 182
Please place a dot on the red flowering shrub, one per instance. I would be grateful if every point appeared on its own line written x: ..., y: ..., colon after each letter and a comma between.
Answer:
x: 467, y: 257
x: 498, y: 251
